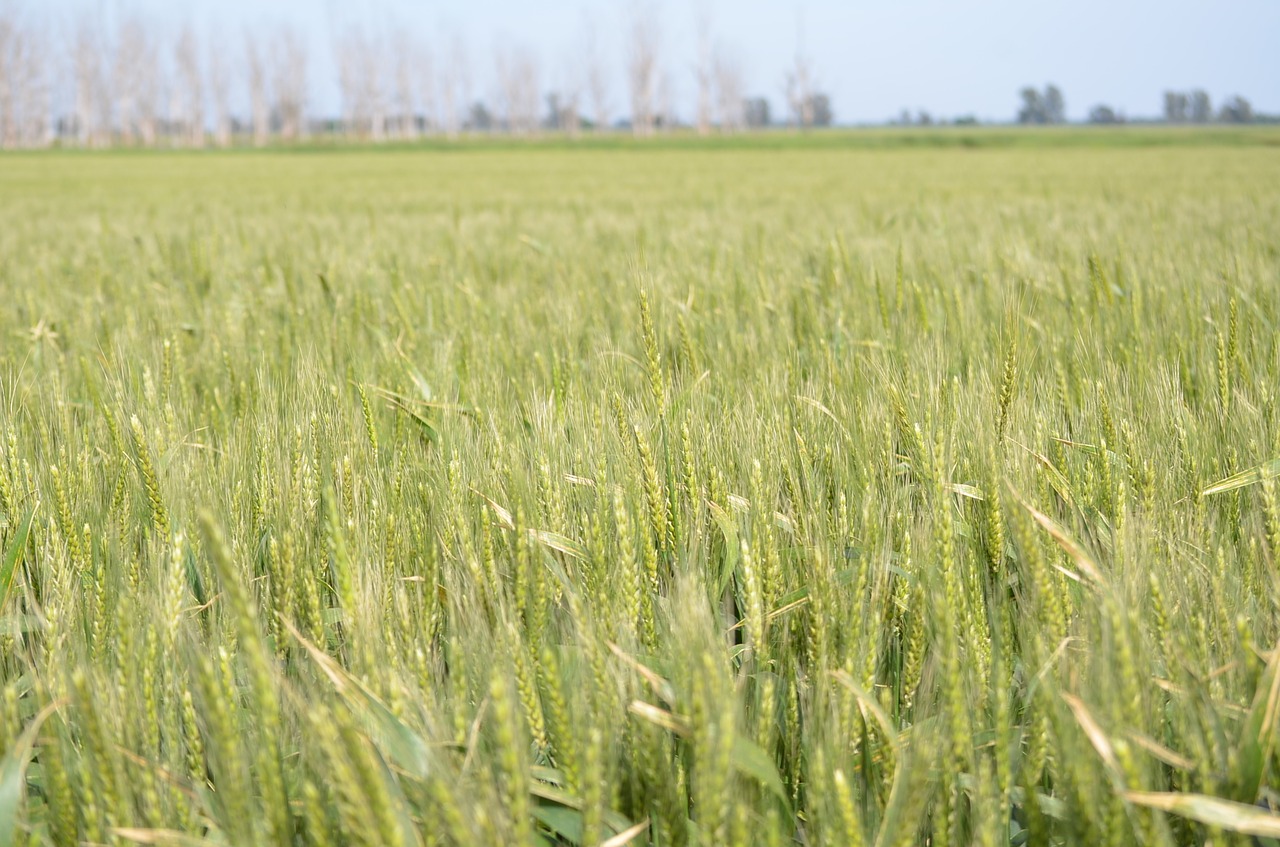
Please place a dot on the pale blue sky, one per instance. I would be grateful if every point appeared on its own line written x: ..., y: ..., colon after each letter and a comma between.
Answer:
x: 874, y: 58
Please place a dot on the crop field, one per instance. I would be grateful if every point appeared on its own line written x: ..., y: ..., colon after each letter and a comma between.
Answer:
x: 882, y: 493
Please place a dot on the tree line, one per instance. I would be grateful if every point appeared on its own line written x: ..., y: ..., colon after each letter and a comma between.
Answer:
x: 1180, y: 107
x: 135, y: 85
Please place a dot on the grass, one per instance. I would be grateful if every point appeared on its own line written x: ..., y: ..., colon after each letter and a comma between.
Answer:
x: 817, y: 495
x: 996, y: 136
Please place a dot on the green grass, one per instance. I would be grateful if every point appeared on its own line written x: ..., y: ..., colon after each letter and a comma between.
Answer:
x: 829, y: 494
x: 778, y: 138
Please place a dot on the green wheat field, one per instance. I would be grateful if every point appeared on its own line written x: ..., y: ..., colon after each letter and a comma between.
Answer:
x: 868, y: 489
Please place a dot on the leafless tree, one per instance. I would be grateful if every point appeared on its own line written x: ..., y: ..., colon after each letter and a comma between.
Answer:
x: 362, y: 83
x: 565, y: 104
x: 800, y: 92
x: 664, y: 114
x: 126, y: 76
x: 455, y: 88
x: 571, y: 113
x: 220, y: 93
x: 136, y: 82
x: 11, y: 57
x: 189, y: 92
x: 704, y: 74
x: 505, y: 82
x: 517, y: 72
x: 424, y: 84
x: 259, y: 98
x: 642, y: 68
x: 597, y: 78
x: 408, y: 72
x: 345, y: 50
x: 289, y: 81
x: 92, y: 89
x: 729, y: 93
x: 24, y: 84
x: 35, y: 95
x: 375, y: 88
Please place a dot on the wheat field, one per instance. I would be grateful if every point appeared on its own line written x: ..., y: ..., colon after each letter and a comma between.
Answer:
x: 776, y: 493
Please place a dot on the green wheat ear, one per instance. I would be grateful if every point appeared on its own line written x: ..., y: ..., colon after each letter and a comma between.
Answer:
x: 150, y: 479
x: 653, y: 361
x: 1008, y: 379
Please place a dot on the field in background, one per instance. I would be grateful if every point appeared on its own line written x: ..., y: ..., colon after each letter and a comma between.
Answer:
x: 843, y: 138
x: 822, y: 494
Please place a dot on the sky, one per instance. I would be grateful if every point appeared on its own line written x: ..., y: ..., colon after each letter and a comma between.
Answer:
x: 874, y: 59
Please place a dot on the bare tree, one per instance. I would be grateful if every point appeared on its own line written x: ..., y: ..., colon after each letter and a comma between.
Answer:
x: 407, y: 73
x: 504, y: 79
x: 220, y: 92
x: 375, y: 91
x: 729, y: 93
x: 424, y: 83
x: 126, y: 76
x: 289, y: 81
x: 564, y: 106
x: 35, y: 96
x: 11, y: 50
x: 455, y: 88
x: 642, y: 68
x: 664, y: 111
x: 259, y: 99
x: 704, y: 74
x: 571, y: 113
x: 136, y: 83
x: 24, y: 84
x: 597, y: 79
x: 348, y: 62
x: 517, y: 73
x: 92, y: 89
x: 189, y: 92
x: 362, y: 82
x: 800, y: 92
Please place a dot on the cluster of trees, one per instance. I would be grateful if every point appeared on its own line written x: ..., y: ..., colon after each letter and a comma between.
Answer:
x: 136, y: 86
x: 1236, y: 110
x: 1049, y: 107
x: 1192, y: 107
x: 926, y: 118
x: 1104, y: 114
x: 131, y: 87
x: 1181, y: 107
